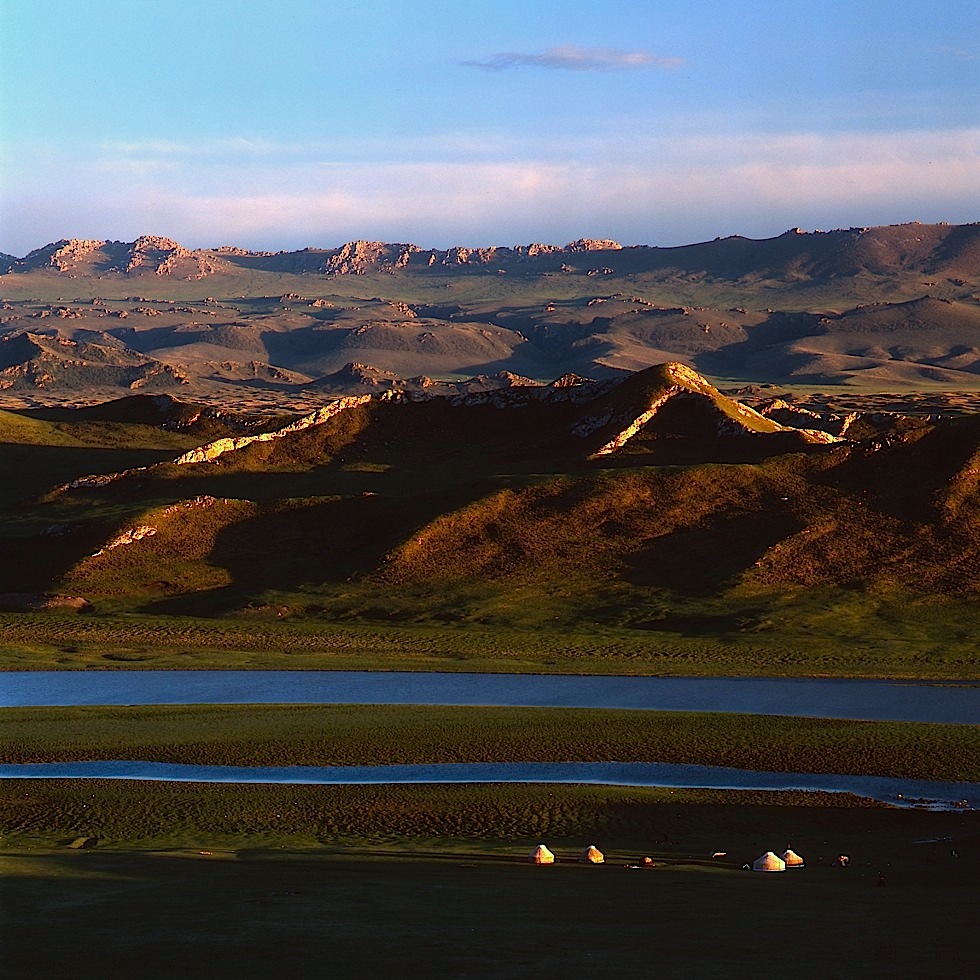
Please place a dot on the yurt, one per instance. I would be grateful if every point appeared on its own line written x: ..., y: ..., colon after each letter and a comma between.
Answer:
x: 591, y: 855
x: 769, y: 862
x: 791, y: 859
x: 541, y: 855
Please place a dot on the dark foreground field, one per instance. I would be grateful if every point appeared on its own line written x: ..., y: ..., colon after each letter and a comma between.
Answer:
x: 445, y: 891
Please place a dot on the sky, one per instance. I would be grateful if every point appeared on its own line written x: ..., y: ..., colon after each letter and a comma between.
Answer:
x: 315, y: 122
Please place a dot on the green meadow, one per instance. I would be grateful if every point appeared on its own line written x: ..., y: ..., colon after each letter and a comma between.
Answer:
x: 339, y: 735
x: 822, y: 635
x: 243, y: 881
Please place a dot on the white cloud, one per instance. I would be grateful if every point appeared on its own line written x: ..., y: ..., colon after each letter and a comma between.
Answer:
x: 571, y: 58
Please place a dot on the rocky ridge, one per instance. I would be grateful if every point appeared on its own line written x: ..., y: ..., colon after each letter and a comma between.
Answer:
x: 163, y: 256
x: 618, y: 415
x: 931, y: 249
x: 219, y: 447
x: 156, y: 254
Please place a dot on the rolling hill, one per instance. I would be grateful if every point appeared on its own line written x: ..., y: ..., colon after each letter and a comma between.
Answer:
x: 768, y: 439
x: 86, y: 321
x: 652, y: 503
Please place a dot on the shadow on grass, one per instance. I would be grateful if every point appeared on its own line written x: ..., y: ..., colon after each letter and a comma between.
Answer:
x: 700, y: 561
x: 329, y: 543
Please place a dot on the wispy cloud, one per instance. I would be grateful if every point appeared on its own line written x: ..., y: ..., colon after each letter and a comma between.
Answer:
x: 572, y: 58
x: 961, y: 54
x: 248, y: 151
x: 661, y: 189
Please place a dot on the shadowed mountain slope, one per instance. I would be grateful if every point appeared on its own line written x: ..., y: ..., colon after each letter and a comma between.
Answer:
x: 627, y: 503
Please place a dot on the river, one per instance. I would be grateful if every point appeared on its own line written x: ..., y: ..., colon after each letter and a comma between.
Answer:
x: 873, y: 700
x: 897, y: 792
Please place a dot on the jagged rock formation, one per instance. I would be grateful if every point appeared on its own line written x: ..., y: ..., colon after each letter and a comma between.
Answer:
x: 129, y: 536
x: 593, y: 245
x: 357, y: 258
x: 219, y: 447
x: 630, y: 407
x: 931, y: 250
x: 67, y: 256
x: 153, y: 253
x: 210, y: 452
x: 795, y: 416
x: 570, y: 380
x: 168, y: 258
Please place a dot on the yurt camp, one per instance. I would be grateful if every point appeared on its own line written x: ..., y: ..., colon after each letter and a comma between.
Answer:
x: 769, y: 862
x: 591, y: 855
x: 541, y: 855
x: 791, y: 859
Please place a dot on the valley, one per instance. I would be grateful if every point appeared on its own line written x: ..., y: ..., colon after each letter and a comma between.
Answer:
x: 740, y: 459
x: 863, y: 309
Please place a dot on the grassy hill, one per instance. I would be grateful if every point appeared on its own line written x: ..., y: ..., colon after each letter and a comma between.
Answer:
x: 654, y: 506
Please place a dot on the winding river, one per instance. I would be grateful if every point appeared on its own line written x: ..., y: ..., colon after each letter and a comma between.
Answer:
x: 898, y: 792
x: 877, y: 700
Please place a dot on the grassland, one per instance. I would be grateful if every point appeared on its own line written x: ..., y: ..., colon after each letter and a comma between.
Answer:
x: 232, y: 881
x: 847, y: 638
x: 325, y: 735
x: 128, y: 814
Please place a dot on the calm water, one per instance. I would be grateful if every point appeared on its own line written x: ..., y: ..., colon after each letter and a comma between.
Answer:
x: 895, y: 791
x: 951, y: 703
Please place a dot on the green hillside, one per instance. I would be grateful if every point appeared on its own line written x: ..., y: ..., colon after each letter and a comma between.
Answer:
x: 654, y: 508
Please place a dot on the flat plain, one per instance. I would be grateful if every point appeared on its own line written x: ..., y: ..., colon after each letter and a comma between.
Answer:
x: 403, y: 881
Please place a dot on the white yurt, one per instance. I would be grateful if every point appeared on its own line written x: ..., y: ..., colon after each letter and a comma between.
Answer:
x: 769, y: 862
x: 541, y: 855
x: 791, y: 859
x: 592, y: 855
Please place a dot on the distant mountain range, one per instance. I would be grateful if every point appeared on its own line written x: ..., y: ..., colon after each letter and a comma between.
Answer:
x: 895, y: 307
x: 934, y: 249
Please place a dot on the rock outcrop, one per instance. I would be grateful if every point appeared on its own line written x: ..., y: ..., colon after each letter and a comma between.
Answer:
x: 67, y: 256
x: 149, y: 253
x: 129, y: 536
x: 169, y: 258
x: 630, y: 413
x: 797, y: 417
x: 219, y: 447
x: 593, y: 245
x: 361, y: 257
x: 210, y: 452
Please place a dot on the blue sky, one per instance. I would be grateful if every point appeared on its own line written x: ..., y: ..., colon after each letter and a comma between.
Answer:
x: 287, y: 124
